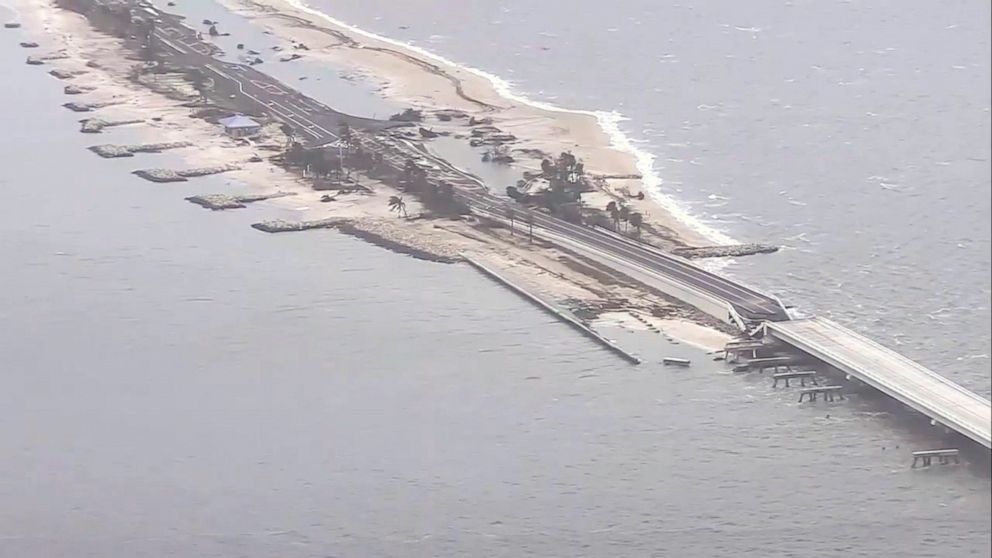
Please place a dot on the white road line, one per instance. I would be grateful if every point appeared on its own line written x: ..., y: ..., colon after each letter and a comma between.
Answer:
x: 172, y: 45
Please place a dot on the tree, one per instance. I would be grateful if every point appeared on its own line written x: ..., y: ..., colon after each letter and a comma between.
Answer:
x: 624, y: 215
x: 199, y: 82
x: 511, y: 214
x: 296, y: 155
x: 289, y: 132
x: 529, y: 218
x: 614, y: 212
x: 636, y: 220
x: 397, y: 204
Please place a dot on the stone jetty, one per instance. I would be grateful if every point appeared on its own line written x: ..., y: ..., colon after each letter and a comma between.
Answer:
x: 65, y: 74
x: 112, y: 151
x: 96, y: 125
x: 39, y: 60
x: 169, y: 175
x: 280, y: 225
x: 218, y: 202
x: 87, y: 107
x: 77, y: 89
x: 725, y: 251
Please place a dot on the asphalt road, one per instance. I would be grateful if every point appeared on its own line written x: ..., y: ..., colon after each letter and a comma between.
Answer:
x: 749, y: 303
x: 316, y: 124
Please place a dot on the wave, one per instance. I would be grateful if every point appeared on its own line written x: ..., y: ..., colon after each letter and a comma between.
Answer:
x: 609, y: 122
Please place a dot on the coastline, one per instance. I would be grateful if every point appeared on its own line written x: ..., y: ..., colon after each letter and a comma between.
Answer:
x: 433, y: 83
x: 99, y: 64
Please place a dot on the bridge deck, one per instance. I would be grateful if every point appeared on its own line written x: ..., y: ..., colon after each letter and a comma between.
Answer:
x: 888, y: 371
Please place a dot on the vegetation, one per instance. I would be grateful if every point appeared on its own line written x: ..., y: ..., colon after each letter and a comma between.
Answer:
x: 397, y: 204
x: 348, y: 154
x: 636, y: 220
x: 199, y: 82
x: 565, y: 176
x: 290, y: 134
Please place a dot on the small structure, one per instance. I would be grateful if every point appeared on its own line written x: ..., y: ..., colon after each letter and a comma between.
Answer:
x: 240, y: 126
x: 943, y: 456
x: 801, y: 376
x: 733, y: 350
x: 760, y: 364
x: 827, y: 391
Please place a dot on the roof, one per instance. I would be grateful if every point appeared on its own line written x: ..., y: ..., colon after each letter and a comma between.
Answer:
x: 238, y: 121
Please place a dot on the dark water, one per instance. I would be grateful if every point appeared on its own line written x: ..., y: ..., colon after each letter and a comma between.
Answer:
x: 176, y: 383
x: 857, y: 134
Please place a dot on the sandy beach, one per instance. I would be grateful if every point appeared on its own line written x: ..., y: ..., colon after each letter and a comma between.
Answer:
x: 100, y: 65
x: 433, y: 84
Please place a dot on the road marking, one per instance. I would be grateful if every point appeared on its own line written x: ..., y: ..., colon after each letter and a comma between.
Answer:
x: 270, y: 88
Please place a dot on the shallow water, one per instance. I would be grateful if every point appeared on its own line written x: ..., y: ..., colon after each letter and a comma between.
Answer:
x: 175, y: 382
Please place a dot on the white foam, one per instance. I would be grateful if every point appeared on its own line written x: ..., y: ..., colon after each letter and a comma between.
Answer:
x: 609, y: 121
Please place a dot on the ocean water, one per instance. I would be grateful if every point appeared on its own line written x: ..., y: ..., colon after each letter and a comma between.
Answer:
x: 855, y: 134
x: 177, y: 383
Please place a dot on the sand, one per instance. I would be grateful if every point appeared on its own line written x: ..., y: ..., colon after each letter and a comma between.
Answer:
x: 96, y: 61
x: 432, y: 84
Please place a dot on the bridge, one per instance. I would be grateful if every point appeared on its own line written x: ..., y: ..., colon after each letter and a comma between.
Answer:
x: 904, y: 380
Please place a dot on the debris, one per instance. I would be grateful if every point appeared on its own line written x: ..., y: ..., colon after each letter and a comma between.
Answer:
x: 408, y: 115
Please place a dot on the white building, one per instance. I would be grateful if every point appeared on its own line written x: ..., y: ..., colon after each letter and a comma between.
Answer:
x: 240, y: 126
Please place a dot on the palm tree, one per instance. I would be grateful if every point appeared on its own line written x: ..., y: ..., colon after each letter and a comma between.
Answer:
x: 624, y: 215
x: 397, y: 204
x: 614, y: 212
x: 636, y: 220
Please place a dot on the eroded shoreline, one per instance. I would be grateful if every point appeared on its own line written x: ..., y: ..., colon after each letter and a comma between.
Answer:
x: 561, y: 275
